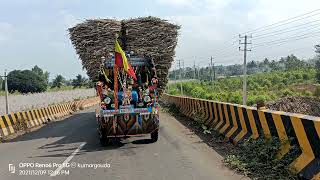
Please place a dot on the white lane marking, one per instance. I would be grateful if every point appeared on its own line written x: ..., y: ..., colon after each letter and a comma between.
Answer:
x: 68, y: 159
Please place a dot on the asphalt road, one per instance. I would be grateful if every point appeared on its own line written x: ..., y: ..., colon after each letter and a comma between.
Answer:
x: 178, y: 154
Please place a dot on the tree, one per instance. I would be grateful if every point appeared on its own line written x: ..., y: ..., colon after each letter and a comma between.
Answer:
x: 25, y: 81
x: 252, y: 67
x: 293, y: 63
x: 43, y: 74
x: 68, y: 82
x: 79, y: 81
x: 58, y: 81
x: 266, y: 61
x: 274, y: 66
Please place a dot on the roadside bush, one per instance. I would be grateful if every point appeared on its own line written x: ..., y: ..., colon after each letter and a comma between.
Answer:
x: 307, y: 93
x: 317, y: 91
x: 257, y: 159
x: 235, y: 98
x: 174, y: 91
x: 212, y: 96
x: 198, y: 92
x: 305, y: 76
x: 259, y: 98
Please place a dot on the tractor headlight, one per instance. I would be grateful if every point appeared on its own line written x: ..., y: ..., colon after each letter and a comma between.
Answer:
x: 146, y: 99
x: 107, y: 100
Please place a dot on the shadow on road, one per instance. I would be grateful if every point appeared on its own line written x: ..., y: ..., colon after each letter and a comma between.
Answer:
x: 59, y: 136
x: 142, y: 141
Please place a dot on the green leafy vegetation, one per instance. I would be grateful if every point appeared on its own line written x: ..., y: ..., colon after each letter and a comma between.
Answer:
x: 288, y: 63
x: 80, y: 81
x: 58, y: 81
x: 258, y: 159
x: 37, y: 80
x: 26, y: 81
x: 267, y: 80
x: 261, y: 87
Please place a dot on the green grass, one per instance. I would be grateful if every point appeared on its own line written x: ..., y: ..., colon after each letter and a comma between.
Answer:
x: 63, y: 88
x: 261, y: 87
x: 3, y: 93
x: 258, y: 159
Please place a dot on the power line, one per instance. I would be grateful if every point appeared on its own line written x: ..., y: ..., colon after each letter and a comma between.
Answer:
x: 283, y: 22
x: 285, y: 40
x: 282, y: 31
x: 288, y: 23
x: 268, y: 54
x: 226, y: 51
x: 310, y: 22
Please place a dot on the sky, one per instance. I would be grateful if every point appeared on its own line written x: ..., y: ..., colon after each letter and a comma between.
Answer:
x: 34, y: 32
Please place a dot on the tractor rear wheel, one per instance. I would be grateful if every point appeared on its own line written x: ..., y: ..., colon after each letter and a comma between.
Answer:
x: 154, y: 136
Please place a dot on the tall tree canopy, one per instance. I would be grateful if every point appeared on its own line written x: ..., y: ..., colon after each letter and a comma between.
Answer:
x: 79, y: 81
x: 26, y: 81
x: 43, y: 74
x: 58, y: 81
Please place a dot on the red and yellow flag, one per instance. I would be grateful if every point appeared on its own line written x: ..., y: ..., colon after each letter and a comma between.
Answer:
x: 122, y: 61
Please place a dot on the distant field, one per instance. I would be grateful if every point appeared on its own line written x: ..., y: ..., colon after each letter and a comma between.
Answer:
x: 267, y: 87
x: 18, y: 102
x: 63, y: 88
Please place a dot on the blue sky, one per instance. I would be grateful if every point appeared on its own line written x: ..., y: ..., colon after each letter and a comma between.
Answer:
x: 34, y: 32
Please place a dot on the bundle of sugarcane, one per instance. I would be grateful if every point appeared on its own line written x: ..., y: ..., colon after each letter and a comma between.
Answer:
x: 93, y: 39
x: 148, y: 36
x: 154, y: 38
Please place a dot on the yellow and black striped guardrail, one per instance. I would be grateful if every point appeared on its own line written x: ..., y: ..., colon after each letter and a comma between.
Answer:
x: 238, y: 122
x: 9, y: 123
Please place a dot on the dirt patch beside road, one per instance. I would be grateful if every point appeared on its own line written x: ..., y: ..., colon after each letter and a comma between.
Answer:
x: 302, y: 105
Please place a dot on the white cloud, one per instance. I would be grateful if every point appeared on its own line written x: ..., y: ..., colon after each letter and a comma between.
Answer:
x: 6, y: 31
x: 214, y: 28
x: 270, y: 11
x: 69, y: 19
x: 178, y: 3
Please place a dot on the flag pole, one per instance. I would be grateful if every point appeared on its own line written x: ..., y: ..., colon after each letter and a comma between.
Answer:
x: 115, y: 79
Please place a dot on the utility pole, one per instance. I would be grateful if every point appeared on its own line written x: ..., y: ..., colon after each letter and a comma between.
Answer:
x: 6, y: 90
x: 194, y: 69
x: 175, y: 74
x: 244, y: 96
x: 183, y: 75
x: 199, y: 68
x: 214, y: 72
x: 211, y: 69
x: 180, y: 77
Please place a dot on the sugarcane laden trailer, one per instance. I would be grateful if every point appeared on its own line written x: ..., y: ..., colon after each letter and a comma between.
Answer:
x: 138, y: 109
